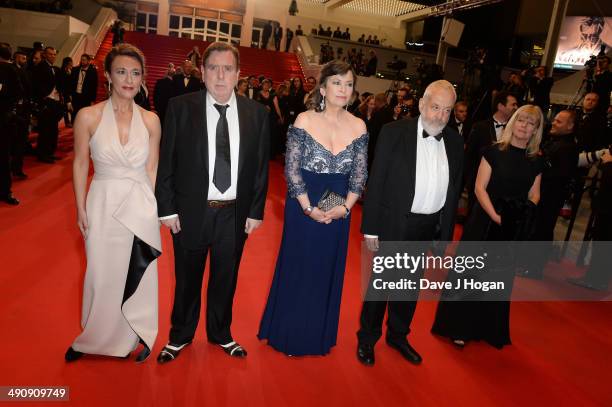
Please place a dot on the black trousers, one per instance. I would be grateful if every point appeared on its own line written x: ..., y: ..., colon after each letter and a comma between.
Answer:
x: 78, y: 102
x: 48, y: 131
x: 416, y: 228
x: 18, y: 144
x: 220, y: 240
x: 6, y: 138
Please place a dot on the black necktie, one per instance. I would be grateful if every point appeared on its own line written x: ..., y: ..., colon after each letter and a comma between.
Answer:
x: 222, y: 177
x: 438, y: 137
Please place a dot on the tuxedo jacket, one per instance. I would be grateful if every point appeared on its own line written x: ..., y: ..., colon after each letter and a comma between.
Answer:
x: 182, y: 175
x: 481, y: 136
x: 391, y: 186
x: 467, y: 127
x: 44, y: 78
x: 193, y: 85
x: 90, y: 83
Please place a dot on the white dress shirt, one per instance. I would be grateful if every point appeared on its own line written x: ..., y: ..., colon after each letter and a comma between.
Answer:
x: 212, y: 117
x: 431, y: 177
x: 82, y: 73
x: 431, y: 183
x: 498, y: 129
x: 54, y: 93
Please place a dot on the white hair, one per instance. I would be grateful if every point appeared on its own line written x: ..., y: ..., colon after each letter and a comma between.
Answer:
x: 440, y: 85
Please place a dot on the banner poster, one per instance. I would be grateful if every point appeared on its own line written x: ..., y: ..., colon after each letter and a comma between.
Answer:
x: 580, y: 38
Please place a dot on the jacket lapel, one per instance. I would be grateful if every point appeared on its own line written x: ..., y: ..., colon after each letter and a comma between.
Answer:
x: 411, y: 158
x: 198, y: 117
x: 243, y: 125
x: 451, y: 158
x: 492, y: 133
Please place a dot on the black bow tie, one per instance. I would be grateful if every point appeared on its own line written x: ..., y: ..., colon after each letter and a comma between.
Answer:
x: 498, y: 125
x: 437, y: 137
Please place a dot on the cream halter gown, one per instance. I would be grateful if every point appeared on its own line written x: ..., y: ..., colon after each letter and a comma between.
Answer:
x: 120, y: 289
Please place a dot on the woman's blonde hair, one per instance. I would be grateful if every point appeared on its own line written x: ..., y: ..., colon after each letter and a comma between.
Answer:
x: 533, y: 145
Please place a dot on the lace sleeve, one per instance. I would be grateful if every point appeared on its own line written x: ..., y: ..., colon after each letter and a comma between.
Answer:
x: 359, y: 169
x: 293, y: 162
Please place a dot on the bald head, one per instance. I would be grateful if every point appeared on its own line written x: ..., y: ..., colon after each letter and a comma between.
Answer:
x: 439, y: 87
x: 590, y: 102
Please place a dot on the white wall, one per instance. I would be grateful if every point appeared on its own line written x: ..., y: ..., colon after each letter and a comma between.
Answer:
x: 22, y: 28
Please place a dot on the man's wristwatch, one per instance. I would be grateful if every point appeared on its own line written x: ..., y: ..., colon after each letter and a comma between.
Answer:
x: 308, y: 210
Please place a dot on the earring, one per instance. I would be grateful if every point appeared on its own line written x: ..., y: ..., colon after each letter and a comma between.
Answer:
x: 322, y: 104
x: 109, y: 87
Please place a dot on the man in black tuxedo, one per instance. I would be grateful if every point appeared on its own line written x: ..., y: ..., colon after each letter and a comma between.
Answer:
x: 164, y: 90
x: 83, y: 84
x: 299, y: 30
x: 253, y: 87
x: 185, y: 82
x: 278, y: 36
x: 211, y: 191
x: 289, y: 39
x: 18, y: 146
x: 45, y: 83
x: 459, y: 120
x: 266, y: 34
x: 483, y: 134
x: 10, y: 93
x: 413, y: 192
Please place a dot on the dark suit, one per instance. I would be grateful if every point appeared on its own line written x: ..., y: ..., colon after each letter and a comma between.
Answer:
x: 10, y: 93
x: 44, y: 79
x: 182, y: 188
x: 560, y: 155
x: 87, y: 96
x: 193, y: 85
x: 387, y: 213
x: 480, y: 137
x: 278, y: 35
x: 18, y: 147
x: 465, y: 130
x: 164, y: 90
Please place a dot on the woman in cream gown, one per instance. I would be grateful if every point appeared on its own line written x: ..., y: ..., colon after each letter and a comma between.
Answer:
x: 118, y: 215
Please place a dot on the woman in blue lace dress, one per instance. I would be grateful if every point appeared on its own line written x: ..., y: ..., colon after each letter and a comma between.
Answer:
x: 326, y: 151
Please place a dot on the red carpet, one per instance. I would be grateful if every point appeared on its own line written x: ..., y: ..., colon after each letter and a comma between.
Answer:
x: 561, y: 352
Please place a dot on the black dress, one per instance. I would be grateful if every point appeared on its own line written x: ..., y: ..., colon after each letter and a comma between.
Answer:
x: 472, y: 315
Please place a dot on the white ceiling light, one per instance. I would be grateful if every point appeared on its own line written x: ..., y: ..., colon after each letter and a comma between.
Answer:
x: 389, y: 8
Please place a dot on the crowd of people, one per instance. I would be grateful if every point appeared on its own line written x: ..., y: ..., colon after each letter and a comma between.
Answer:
x: 408, y: 155
x: 362, y: 64
x: 39, y: 95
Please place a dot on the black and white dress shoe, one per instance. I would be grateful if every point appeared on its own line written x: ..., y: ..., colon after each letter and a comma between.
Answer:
x: 407, y: 351
x: 10, y: 199
x: 234, y: 349
x: 169, y: 353
x: 72, y: 355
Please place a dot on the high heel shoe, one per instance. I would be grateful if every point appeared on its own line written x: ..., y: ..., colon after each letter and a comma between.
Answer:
x: 72, y: 355
x: 143, y: 355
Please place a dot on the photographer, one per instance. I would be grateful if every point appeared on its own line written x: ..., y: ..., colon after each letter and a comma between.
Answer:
x: 538, y: 86
x: 602, y: 82
x: 560, y: 155
x: 10, y: 93
x: 598, y: 274
x: 591, y: 134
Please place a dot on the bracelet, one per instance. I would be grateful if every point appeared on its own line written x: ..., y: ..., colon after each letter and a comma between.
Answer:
x: 308, y: 210
x: 348, y: 211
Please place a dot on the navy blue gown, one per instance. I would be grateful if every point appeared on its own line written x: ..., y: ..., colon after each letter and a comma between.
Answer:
x: 301, y: 315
